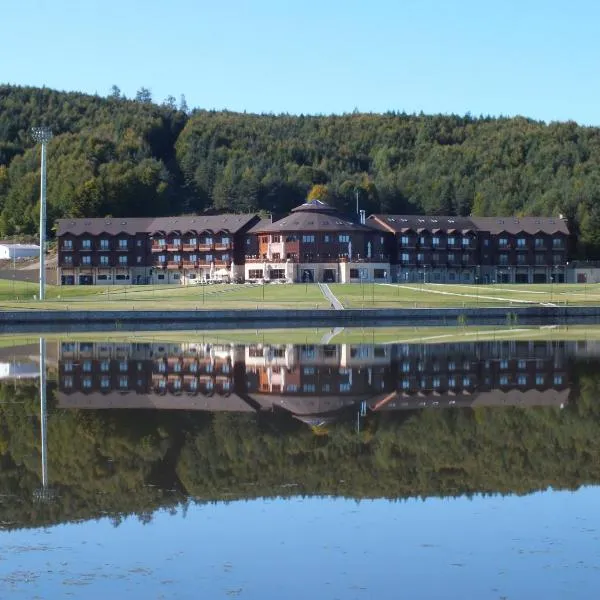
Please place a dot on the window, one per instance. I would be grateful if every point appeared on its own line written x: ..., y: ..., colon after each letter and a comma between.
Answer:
x: 379, y: 273
x: 275, y: 239
x: 404, y: 257
x: 451, y: 276
x: 308, y: 239
x: 255, y: 274
x: 422, y: 240
x: 86, y: 260
x: 277, y: 273
x: 327, y: 238
x: 104, y: 260
x: 162, y: 242
x: 405, y: 384
x: 123, y: 245
x: 122, y: 260
x: 521, y: 243
x: 504, y: 380
x: 558, y: 379
x: 162, y: 258
x: 225, y: 257
x: 192, y: 241
x: 87, y: 383
x: 176, y: 242
x: 177, y: 258
x: 404, y: 240
x: 123, y: 366
x: 208, y: 258
x: 539, y: 380
x: 138, y: 243
x: 451, y: 241
x: 557, y: 259
x: 193, y: 258
x: 539, y: 242
x: 522, y: 364
x: 435, y: 240
x: 86, y: 244
x: 503, y: 259
x: 138, y: 260
x: 466, y: 381
x: 421, y: 257
x: 522, y: 380
x: 87, y: 366
x: 345, y: 387
x: 466, y: 242
x: 292, y: 387
x: 104, y: 366
x: 486, y: 242
x: 521, y: 259
x: 225, y: 241
x: 451, y: 382
x: 503, y: 242
x: 557, y: 243
x: 67, y: 244
x: 540, y: 259
x: 160, y: 277
x: 207, y: 241
x: 504, y: 364
x: 451, y: 366
x: 405, y: 366
x: 435, y: 383
x: 451, y: 257
x: 343, y: 237
x: 123, y: 381
x: 353, y: 273
x: 308, y: 387
x: 68, y: 366
x: 105, y: 383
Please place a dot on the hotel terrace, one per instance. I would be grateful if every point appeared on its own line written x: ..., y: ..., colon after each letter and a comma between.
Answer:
x: 314, y: 243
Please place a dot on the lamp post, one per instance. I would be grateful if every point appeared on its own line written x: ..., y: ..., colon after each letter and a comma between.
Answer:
x: 42, y: 135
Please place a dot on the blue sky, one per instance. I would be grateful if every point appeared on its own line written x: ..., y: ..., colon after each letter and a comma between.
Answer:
x: 538, y: 58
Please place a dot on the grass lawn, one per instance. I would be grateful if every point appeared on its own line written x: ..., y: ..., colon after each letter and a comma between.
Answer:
x: 384, y: 335
x: 448, y: 295
x: 163, y: 297
x: 16, y: 295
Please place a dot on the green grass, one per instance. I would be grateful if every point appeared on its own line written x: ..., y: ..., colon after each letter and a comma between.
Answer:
x: 384, y: 335
x: 448, y: 295
x: 15, y: 295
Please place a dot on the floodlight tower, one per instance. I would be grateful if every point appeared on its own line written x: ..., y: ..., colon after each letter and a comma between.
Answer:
x: 42, y: 135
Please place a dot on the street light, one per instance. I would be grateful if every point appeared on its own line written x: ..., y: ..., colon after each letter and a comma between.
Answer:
x: 42, y: 135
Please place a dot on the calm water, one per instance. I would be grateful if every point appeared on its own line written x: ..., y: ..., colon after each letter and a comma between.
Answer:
x: 167, y: 470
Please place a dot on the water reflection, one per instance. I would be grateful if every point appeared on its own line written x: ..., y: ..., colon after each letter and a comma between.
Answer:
x: 132, y: 427
x: 316, y: 384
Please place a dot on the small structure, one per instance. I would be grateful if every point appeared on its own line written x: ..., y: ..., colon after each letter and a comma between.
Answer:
x: 17, y: 251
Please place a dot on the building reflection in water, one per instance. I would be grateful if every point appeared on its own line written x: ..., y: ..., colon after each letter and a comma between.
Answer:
x: 315, y: 383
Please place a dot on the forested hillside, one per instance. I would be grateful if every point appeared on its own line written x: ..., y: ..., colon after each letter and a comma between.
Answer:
x: 132, y: 157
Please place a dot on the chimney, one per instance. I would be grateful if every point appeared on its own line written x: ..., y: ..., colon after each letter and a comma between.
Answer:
x: 362, y: 217
x: 561, y: 216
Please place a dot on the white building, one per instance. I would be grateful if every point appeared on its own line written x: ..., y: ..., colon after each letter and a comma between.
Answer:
x: 16, y: 251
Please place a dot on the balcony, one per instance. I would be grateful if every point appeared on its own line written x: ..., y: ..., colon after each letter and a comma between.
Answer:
x: 123, y: 248
x: 174, y: 247
x: 220, y: 246
x: 190, y: 264
x: 206, y: 247
x: 542, y: 248
x: 158, y: 248
x: 171, y: 264
x: 190, y: 247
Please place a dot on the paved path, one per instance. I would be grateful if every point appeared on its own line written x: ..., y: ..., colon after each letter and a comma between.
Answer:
x: 335, y: 303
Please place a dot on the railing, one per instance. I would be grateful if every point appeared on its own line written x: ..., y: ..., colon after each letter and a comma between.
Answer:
x: 189, y: 264
x: 205, y: 247
x: 174, y: 247
x: 158, y: 248
x: 173, y: 265
x: 219, y: 246
x: 190, y: 247
x: 122, y: 248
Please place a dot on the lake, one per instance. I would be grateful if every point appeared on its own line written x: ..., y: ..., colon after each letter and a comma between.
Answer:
x: 205, y: 469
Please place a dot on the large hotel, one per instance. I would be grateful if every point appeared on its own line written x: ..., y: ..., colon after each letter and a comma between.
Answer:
x: 314, y: 243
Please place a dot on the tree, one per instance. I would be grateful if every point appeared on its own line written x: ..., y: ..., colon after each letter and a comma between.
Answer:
x: 170, y: 103
x: 183, y: 107
x: 115, y: 93
x: 319, y: 191
x: 143, y: 95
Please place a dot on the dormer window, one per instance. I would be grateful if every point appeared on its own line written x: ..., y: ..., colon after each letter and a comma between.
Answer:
x: 86, y: 244
x: 104, y: 244
x: 123, y: 244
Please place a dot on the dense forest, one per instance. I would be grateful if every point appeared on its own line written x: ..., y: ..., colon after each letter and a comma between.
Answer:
x: 117, y: 463
x: 114, y: 156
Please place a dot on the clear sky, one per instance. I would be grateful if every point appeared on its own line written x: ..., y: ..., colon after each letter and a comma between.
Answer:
x: 537, y: 58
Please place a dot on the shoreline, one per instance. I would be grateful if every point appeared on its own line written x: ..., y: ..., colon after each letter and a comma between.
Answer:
x: 11, y: 321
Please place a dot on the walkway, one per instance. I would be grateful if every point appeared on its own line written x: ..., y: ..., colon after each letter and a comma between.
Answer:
x: 335, y: 303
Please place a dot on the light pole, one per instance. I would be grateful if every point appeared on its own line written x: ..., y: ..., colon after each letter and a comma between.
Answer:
x: 42, y: 135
